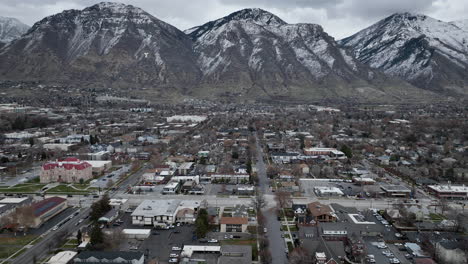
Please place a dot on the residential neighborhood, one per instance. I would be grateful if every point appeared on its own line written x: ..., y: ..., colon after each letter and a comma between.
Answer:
x: 215, y: 183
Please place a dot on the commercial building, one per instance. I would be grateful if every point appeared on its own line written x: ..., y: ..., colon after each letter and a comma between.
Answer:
x: 99, y: 166
x: 171, y: 188
x: 8, y: 205
x: 93, y: 257
x: 233, y: 178
x: 64, y: 257
x: 331, y: 152
x: 47, y: 208
x: 449, y: 191
x: 162, y: 212
x: 68, y: 170
x: 396, y: 190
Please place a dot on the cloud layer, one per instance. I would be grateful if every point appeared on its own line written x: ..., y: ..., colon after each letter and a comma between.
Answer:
x: 340, y: 18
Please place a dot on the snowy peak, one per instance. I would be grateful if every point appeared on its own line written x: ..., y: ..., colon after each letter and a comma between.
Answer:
x: 111, y: 40
x: 255, y: 16
x: 420, y: 49
x: 11, y: 29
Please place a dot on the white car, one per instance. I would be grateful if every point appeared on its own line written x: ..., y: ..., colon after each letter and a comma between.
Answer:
x: 176, y: 249
x: 213, y: 240
x: 381, y: 246
x: 395, y: 261
x: 55, y: 228
x: 173, y: 260
x: 174, y: 255
x: 265, y: 230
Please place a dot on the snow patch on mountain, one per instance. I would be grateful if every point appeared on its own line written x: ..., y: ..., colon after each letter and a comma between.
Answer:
x: 404, y: 44
x: 11, y: 29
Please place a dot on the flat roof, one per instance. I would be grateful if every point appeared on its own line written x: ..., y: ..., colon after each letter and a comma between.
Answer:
x: 13, y: 200
x: 171, y: 185
x: 446, y: 188
x: 63, y: 257
x: 151, y: 208
x: 136, y: 231
x: 98, y: 163
x: 395, y: 188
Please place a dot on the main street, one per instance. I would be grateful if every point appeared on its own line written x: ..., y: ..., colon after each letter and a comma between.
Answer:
x: 276, y: 243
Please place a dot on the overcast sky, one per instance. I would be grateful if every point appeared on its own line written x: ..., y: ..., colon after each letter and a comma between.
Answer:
x: 340, y: 18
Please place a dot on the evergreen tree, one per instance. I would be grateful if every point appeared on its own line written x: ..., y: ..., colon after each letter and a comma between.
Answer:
x: 347, y: 151
x: 201, y: 223
x: 79, y: 236
x: 96, y: 236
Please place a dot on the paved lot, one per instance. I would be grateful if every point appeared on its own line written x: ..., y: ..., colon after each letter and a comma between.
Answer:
x: 381, y: 258
x: 114, y: 176
x: 159, y: 246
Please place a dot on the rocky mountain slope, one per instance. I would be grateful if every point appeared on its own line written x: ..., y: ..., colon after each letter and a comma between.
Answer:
x: 105, y: 44
x: 247, y: 55
x: 253, y: 52
x: 11, y: 28
x: 429, y: 53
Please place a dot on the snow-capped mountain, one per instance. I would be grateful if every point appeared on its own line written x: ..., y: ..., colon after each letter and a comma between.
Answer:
x: 427, y: 52
x: 11, y: 28
x: 253, y: 51
x: 107, y: 41
x: 249, y: 54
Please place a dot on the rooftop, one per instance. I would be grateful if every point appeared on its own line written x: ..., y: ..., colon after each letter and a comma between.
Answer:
x: 151, y: 208
x: 234, y: 220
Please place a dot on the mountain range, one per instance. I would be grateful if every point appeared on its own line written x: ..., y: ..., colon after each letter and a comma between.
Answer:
x: 250, y: 54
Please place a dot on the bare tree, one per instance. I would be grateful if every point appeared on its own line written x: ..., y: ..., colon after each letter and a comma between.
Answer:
x: 283, y: 199
x: 299, y: 256
x: 259, y: 202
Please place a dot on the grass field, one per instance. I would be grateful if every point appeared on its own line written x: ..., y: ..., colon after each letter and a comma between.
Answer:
x: 23, y: 188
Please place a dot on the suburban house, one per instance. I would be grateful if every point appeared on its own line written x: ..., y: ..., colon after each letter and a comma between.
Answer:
x: 234, y: 224
x: 321, y: 213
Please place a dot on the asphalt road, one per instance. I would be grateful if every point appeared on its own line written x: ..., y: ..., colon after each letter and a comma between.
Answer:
x: 49, y: 240
x: 276, y: 243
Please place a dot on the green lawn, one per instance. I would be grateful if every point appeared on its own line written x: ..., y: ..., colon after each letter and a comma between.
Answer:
x: 436, y: 217
x: 10, y: 245
x: 67, y: 190
x: 23, y: 188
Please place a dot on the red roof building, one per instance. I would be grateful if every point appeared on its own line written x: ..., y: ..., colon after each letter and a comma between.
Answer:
x: 67, y: 170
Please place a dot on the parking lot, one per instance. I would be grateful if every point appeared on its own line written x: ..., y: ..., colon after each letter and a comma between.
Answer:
x: 378, y: 253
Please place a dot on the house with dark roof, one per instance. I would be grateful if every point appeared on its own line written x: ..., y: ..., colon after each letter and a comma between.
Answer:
x: 451, y: 252
x: 47, y: 208
x: 95, y: 257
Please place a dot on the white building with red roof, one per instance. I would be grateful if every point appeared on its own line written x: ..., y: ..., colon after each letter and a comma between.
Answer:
x: 67, y: 170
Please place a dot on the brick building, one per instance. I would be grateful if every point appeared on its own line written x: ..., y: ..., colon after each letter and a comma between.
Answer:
x: 67, y: 170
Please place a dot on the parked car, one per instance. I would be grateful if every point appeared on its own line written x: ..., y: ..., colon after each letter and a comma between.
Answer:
x: 213, y: 240
x: 173, y: 260
x: 176, y: 249
x: 174, y: 255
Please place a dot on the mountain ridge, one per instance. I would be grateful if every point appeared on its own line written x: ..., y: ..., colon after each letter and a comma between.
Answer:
x: 427, y: 52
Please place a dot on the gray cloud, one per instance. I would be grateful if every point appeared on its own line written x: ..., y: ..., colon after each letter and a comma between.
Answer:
x: 340, y: 18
